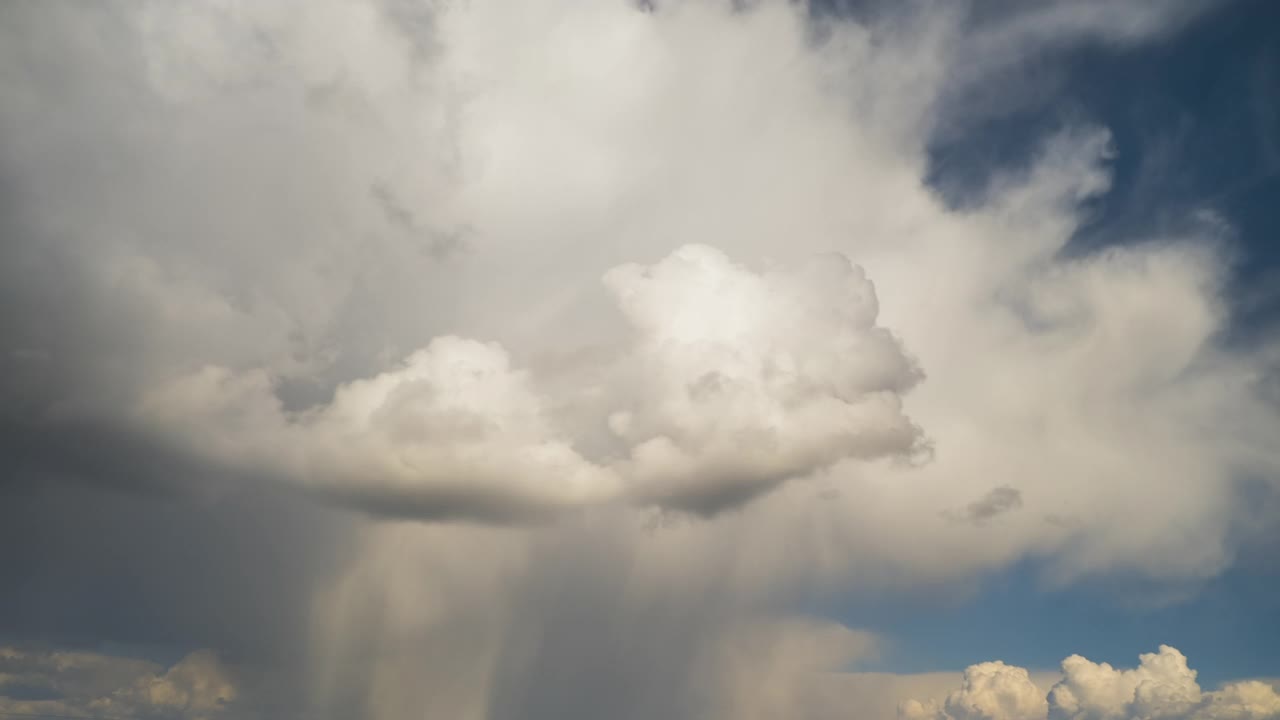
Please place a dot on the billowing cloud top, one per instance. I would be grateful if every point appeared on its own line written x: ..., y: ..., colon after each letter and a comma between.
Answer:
x: 1162, y: 686
x: 733, y: 383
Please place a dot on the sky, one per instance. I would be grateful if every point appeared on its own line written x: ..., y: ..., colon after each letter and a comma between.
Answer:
x: 402, y: 359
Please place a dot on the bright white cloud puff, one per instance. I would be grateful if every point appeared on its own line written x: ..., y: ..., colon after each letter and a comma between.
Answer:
x: 1162, y: 687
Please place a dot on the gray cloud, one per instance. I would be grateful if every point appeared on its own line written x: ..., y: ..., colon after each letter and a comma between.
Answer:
x: 996, y: 502
x: 216, y: 302
x: 85, y: 684
x: 438, y: 244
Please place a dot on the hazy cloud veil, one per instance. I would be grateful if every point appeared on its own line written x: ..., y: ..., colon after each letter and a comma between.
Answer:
x: 580, y: 344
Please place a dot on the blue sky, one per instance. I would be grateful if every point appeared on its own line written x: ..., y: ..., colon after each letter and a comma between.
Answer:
x: 1227, y: 626
x: 1195, y: 126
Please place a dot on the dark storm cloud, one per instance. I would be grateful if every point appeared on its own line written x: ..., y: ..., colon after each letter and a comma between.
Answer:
x: 145, y: 236
x: 85, y: 564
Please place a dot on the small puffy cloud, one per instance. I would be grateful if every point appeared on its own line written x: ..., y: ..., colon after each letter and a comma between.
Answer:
x: 1161, y: 687
x: 1246, y: 700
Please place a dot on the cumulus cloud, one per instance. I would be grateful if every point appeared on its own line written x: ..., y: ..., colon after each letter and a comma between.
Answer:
x: 745, y: 380
x: 238, y: 333
x: 991, y: 691
x: 588, y: 264
x: 1161, y: 686
x: 734, y: 382
x: 454, y: 432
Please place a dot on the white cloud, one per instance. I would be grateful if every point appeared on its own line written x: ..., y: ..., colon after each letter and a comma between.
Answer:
x: 991, y: 691
x: 1043, y: 372
x: 1161, y: 686
x: 733, y: 383
x: 359, y: 249
x: 745, y: 380
x: 1247, y: 700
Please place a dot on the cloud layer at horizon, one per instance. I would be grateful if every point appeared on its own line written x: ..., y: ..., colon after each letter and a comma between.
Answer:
x: 1162, y: 686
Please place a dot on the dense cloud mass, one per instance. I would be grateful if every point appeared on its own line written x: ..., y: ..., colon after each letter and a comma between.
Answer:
x: 990, y: 690
x: 736, y: 382
x: 1162, y: 686
x: 746, y: 380
x: 631, y: 333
